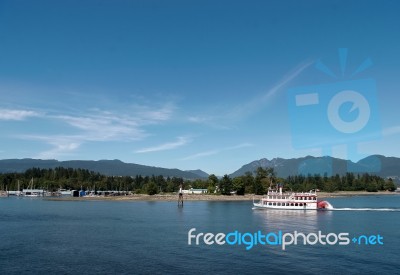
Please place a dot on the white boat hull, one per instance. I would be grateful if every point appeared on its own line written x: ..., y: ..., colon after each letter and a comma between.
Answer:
x: 307, y: 206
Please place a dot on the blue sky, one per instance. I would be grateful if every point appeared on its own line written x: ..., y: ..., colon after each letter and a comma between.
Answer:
x: 192, y: 84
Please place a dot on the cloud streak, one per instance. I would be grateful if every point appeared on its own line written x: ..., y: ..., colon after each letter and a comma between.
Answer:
x: 96, y: 125
x: 105, y: 127
x: 247, y: 108
x: 394, y: 130
x: 9, y: 114
x: 166, y: 146
x: 217, y: 151
x: 59, y: 150
x: 61, y: 145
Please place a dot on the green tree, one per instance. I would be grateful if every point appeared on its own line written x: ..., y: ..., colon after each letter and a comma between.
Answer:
x: 238, y: 185
x: 261, y: 181
x: 151, y: 188
x: 372, y: 186
x: 212, y: 183
x: 225, y: 185
x: 248, y: 181
x: 389, y: 185
x: 213, y: 180
x: 330, y: 185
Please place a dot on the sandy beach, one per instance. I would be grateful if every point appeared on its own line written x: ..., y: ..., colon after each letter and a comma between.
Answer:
x: 205, y: 197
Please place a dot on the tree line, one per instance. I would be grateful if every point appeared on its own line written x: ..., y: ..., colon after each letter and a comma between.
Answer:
x: 250, y: 183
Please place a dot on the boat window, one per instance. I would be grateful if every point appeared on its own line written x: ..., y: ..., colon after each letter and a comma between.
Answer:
x: 296, y: 204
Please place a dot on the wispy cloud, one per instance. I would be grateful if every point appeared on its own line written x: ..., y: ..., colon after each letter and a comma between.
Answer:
x: 99, y: 126
x: 59, y: 150
x: 104, y: 127
x: 287, y: 79
x: 9, y: 114
x: 391, y: 131
x: 61, y: 145
x: 216, y: 151
x: 253, y: 105
x: 202, y: 154
x: 146, y: 114
x: 166, y: 146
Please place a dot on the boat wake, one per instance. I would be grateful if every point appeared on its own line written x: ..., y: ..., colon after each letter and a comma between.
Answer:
x: 367, y: 209
x: 352, y: 209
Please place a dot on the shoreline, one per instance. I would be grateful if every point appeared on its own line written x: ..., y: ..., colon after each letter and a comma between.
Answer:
x: 205, y: 197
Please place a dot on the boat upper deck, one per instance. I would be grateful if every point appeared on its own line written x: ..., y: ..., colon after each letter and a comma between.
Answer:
x: 290, y: 196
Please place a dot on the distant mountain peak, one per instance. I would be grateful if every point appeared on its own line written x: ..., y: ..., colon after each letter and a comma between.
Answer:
x: 199, y: 172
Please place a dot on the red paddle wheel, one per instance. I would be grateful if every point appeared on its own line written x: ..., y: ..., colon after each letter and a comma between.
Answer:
x: 324, y: 205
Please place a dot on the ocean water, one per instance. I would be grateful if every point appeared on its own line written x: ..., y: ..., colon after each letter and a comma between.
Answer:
x: 103, y: 237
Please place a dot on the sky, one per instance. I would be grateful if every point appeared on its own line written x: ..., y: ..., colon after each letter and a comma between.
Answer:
x: 209, y: 85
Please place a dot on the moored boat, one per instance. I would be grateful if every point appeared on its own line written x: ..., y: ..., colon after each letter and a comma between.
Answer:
x: 32, y: 192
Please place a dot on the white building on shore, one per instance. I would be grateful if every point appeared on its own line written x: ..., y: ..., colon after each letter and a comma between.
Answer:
x: 195, y: 191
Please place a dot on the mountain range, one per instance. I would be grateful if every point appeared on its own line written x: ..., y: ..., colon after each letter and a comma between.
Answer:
x: 106, y: 167
x: 375, y: 164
